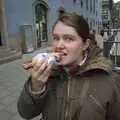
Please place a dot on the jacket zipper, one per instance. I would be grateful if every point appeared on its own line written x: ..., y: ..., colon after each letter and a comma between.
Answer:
x: 67, y: 99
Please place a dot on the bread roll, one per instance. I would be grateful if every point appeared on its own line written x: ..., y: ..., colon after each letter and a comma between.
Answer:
x: 36, y: 60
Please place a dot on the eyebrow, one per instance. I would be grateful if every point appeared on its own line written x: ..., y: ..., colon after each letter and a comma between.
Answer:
x: 64, y: 35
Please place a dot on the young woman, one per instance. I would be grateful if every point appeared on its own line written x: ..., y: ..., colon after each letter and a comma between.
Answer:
x: 81, y: 87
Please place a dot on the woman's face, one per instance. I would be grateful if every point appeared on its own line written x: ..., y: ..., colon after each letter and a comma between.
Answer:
x: 67, y: 41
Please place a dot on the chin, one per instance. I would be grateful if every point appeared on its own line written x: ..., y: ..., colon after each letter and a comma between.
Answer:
x: 61, y: 64
x: 64, y: 63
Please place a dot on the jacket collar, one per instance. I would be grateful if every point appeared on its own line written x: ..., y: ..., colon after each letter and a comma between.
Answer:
x: 93, y: 61
x: 96, y: 61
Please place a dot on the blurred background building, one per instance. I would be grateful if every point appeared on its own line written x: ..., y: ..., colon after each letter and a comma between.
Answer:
x: 110, y: 14
x: 111, y: 28
x: 27, y: 24
x: 116, y: 19
x: 106, y: 17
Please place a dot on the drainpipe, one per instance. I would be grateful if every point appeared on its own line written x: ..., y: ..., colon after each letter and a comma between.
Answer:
x: 4, y: 25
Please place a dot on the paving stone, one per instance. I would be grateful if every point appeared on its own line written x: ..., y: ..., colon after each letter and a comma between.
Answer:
x: 7, y: 100
x: 1, y: 107
x: 12, y: 79
x: 4, y: 115
x: 17, y: 117
x: 2, y: 88
x: 12, y: 108
x: 3, y: 94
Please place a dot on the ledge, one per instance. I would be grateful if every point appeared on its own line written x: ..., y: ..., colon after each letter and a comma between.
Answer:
x: 11, y: 57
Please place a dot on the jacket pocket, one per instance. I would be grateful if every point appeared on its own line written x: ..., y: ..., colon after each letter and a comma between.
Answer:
x: 96, y: 104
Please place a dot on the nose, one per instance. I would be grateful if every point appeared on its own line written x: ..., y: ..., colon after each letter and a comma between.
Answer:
x: 60, y: 44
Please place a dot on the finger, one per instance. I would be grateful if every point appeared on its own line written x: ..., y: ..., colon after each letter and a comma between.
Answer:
x: 47, y: 70
x: 43, y: 67
x: 38, y: 64
x: 44, y: 76
x: 34, y: 75
x: 30, y: 70
x: 38, y: 72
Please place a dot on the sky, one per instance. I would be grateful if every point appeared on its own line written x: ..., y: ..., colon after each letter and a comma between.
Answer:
x: 116, y: 1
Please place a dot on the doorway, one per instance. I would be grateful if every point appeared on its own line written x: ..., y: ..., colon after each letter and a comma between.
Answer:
x: 41, y: 23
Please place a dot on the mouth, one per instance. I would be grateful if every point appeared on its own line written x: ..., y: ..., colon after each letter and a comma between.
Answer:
x: 63, y: 55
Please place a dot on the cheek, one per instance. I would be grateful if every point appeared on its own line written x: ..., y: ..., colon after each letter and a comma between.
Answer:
x: 76, y: 53
x: 77, y: 48
x: 54, y: 46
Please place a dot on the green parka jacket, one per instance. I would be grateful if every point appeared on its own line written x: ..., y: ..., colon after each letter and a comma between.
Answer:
x: 90, y: 92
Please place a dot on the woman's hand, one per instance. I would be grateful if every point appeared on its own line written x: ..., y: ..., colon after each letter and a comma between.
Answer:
x: 40, y: 73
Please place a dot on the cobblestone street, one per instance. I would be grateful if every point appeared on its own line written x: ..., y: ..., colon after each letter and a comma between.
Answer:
x: 12, y: 78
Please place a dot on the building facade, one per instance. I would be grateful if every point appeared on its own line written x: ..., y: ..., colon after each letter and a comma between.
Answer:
x: 27, y: 24
x: 105, y: 14
x: 117, y: 15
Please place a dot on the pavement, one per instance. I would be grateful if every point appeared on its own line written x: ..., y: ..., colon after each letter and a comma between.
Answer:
x: 12, y: 79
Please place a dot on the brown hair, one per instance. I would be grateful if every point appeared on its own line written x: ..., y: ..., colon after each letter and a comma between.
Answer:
x: 79, y: 23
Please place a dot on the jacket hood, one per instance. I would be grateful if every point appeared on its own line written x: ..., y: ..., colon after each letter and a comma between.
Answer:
x: 96, y: 60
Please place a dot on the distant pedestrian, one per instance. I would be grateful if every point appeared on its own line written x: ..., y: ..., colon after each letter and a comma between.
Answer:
x: 81, y: 87
x: 102, y: 32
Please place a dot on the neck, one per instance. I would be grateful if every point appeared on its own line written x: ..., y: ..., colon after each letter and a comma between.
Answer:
x: 74, y: 65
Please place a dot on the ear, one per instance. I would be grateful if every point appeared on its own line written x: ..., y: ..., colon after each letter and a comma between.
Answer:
x: 86, y: 44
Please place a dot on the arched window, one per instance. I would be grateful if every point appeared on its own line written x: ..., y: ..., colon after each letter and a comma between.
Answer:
x: 41, y: 23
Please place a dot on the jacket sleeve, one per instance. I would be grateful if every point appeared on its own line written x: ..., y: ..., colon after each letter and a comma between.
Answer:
x: 114, y: 109
x: 30, y: 105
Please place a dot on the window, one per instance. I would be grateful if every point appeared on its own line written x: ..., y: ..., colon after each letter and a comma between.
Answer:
x: 105, y: 16
x: 90, y: 5
x: 41, y: 23
x: 96, y: 23
x: 74, y: 1
x: 96, y: 13
x: 81, y: 3
x: 105, y: 11
x: 86, y: 4
x: 94, y: 7
x: 111, y: 48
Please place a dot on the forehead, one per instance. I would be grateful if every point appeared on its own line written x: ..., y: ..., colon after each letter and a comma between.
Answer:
x: 61, y: 28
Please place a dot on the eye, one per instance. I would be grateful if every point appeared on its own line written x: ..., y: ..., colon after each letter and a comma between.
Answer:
x: 55, y: 38
x: 68, y: 38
